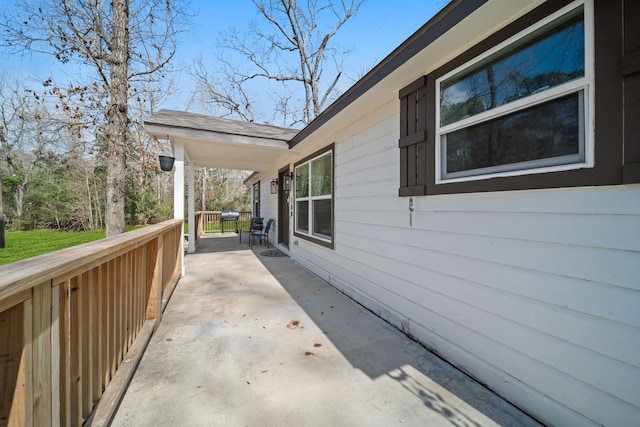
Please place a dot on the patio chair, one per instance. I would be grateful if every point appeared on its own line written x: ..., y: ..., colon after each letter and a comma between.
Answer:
x: 255, y: 228
x: 264, y: 233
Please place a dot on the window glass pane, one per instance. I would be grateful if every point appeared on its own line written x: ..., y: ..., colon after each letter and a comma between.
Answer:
x: 547, y: 130
x: 321, y: 176
x: 302, y: 180
x: 322, y: 217
x: 302, y: 215
x: 544, y: 59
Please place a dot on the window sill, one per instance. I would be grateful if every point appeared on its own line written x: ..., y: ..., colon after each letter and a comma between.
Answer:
x: 311, y: 239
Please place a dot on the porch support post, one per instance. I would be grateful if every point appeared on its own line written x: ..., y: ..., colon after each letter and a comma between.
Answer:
x: 178, y: 188
x: 191, y: 208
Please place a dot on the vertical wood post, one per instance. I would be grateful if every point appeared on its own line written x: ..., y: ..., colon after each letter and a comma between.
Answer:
x: 75, y: 349
x: 154, y: 304
x: 95, y: 347
x: 64, y: 306
x: 41, y: 354
x: 25, y: 374
x: 57, y: 328
x: 15, y: 378
x: 180, y: 251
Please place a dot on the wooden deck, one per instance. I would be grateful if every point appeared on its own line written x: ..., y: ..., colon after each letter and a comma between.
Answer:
x: 74, y: 323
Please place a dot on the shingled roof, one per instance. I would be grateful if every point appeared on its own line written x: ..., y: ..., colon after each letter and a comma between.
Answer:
x: 186, y: 120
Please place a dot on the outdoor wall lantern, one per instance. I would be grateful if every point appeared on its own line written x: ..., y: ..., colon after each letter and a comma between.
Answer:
x: 286, y: 184
x: 166, y: 162
x: 274, y: 186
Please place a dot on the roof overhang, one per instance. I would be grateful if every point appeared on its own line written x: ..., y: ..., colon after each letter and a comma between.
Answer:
x: 221, y: 143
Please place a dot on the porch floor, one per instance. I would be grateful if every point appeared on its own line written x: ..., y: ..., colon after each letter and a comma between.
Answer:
x: 252, y: 340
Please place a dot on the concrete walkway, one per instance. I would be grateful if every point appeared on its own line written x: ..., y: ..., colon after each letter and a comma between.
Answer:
x: 251, y: 340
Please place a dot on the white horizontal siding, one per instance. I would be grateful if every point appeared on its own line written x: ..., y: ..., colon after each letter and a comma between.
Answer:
x: 613, y: 267
x: 534, y: 292
x: 269, y: 203
x: 602, y: 231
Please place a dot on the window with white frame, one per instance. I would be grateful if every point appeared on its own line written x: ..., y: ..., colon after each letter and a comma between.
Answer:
x: 524, y: 105
x: 314, y: 198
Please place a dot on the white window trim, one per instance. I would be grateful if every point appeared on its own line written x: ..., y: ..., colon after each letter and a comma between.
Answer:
x: 585, y: 83
x: 310, y: 199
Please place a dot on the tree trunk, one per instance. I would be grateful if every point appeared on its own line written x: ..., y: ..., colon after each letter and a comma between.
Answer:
x: 18, y: 197
x: 117, y: 119
x: 2, y: 243
x: 203, y: 201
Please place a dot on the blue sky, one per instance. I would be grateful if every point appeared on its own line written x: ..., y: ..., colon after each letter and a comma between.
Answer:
x: 378, y: 28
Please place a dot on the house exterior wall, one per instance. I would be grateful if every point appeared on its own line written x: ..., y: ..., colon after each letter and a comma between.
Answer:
x: 535, y: 293
x: 269, y: 202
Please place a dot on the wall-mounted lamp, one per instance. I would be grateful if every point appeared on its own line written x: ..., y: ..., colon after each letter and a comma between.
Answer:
x: 286, y: 184
x: 166, y: 162
x: 274, y: 186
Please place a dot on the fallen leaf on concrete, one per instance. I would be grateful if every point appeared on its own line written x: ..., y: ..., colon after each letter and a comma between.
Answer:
x: 322, y: 313
x: 309, y: 353
x: 264, y: 372
x: 293, y: 324
x: 248, y: 382
x: 169, y: 339
x: 317, y: 345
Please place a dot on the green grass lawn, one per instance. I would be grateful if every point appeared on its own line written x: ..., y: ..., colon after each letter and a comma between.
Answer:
x: 27, y: 244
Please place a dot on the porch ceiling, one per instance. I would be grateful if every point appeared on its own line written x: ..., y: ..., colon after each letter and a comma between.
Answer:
x: 222, y: 143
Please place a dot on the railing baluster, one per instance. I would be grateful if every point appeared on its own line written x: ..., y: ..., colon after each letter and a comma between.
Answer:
x: 86, y: 356
x: 76, y: 350
x: 65, y: 352
x: 95, y: 349
x: 57, y: 355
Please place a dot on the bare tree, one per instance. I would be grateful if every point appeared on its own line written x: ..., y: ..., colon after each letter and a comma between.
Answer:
x: 10, y: 107
x: 122, y: 41
x: 226, y: 94
x: 293, y: 48
x: 3, y: 140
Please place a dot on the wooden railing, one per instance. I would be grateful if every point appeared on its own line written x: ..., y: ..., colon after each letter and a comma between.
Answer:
x: 74, y: 323
x: 211, y: 222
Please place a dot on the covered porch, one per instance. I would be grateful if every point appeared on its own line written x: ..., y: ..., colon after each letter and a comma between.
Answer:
x: 249, y: 338
x: 205, y: 141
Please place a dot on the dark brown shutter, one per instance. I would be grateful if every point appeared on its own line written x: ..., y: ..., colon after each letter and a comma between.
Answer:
x: 413, y: 139
x: 631, y: 92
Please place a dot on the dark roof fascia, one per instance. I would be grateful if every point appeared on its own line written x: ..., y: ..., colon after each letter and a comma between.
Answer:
x: 443, y: 21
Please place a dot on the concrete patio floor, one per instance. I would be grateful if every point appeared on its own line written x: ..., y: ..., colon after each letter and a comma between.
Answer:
x: 251, y: 340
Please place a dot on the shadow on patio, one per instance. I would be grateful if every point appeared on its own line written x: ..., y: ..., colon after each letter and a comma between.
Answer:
x: 250, y: 339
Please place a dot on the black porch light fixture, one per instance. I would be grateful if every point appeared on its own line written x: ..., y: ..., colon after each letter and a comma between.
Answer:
x: 166, y: 162
x: 286, y: 184
x: 274, y: 186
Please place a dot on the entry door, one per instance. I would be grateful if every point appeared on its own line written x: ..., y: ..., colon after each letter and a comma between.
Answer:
x: 283, y: 209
